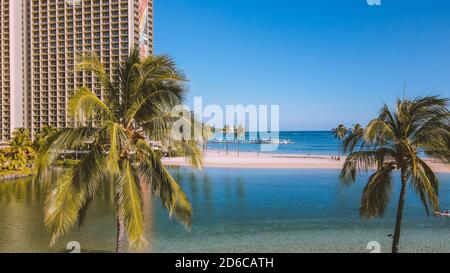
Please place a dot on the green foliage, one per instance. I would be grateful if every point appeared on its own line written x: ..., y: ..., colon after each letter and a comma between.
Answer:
x: 137, y: 108
x: 208, y: 132
x: 19, y: 156
x: 239, y: 132
x: 340, y: 132
x: 394, y: 141
x: 43, y: 136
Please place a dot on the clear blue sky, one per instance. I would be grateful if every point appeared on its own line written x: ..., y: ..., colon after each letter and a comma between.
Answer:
x: 323, y: 61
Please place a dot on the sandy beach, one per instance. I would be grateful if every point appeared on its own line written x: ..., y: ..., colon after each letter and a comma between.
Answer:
x: 249, y: 160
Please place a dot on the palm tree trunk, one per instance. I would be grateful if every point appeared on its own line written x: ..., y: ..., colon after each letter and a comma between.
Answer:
x: 121, y: 246
x: 339, y: 149
x: 401, y: 204
x: 239, y: 148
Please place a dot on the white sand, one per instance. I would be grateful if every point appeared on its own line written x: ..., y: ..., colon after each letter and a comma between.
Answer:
x: 219, y: 159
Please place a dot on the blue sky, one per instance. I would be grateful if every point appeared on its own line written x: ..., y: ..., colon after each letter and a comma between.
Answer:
x: 323, y: 61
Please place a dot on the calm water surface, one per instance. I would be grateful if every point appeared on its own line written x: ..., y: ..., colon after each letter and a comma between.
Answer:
x: 303, y: 142
x: 236, y: 211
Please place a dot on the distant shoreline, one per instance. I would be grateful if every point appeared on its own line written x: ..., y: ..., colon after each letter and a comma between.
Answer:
x: 252, y: 160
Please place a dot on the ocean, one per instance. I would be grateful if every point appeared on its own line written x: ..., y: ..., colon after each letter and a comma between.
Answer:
x: 301, y: 142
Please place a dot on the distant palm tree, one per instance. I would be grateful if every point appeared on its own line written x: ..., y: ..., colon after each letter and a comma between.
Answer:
x: 353, y: 138
x: 207, y: 135
x: 20, y: 151
x: 226, y: 130
x: 43, y: 136
x: 340, y: 132
x: 239, y: 134
x: 393, y: 141
x: 137, y: 106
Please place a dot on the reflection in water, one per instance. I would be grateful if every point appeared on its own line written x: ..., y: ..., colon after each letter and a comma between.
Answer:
x: 234, y: 211
x: 240, y: 188
x: 20, y: 190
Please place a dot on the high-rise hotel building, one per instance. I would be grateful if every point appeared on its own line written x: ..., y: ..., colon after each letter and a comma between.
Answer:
x: 38, y: 61
x: 12, y: 68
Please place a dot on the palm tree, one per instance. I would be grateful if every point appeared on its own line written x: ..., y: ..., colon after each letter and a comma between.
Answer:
x: 20, y: 151
x: 393, y: 141
x: 353, y: 138
x: 226, y: 130
x: 239, y: 134
x: 340, y: 132
x: 43, y: 136
x: 136, y: 107
x: 207, y: 135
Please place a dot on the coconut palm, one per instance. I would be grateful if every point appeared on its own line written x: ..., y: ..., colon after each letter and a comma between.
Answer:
x: 239, y: 134
x: 20, y: 152
x: 352, y: 139
x: 136, y: 108
x: 340, y: 132
x: 207, y: 135
x: 393, y: 141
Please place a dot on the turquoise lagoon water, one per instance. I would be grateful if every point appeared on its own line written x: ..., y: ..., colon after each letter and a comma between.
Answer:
x: 303, y: 142
x: 236, y: 211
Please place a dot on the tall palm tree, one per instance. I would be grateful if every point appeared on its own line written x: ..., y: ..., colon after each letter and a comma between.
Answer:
x: 340, y: 132
x: 207, y: 135
x: 136, y: 107
x: 239, y: 134
x: 393, y: 141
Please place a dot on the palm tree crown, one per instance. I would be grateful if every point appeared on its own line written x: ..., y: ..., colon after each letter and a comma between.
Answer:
x: 135, y: 107
x: 20, y: 152
x: 239, y: 132
x: 353, y: 139
x: 394, y: 141
x: 339, y: 132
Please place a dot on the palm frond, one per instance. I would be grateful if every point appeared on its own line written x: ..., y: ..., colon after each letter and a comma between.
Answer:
x: 352, y: 140
x: 62, y: 206
x: 378, y: 133
x: 362, y: 161
x: 164, y: 186
x: 156, y: 103
x: 426, y: 185
x: 162, y: 68
x: 89, y: 61
x: 377, y: 193
x: 129, y: 203
x: 84, y: 105
x: 117, y: 138
x: 66, y: 139
x: 71, y: 193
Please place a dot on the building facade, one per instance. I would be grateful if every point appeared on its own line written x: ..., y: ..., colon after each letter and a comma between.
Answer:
x: 53, y: 33
x: 12, y: 70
